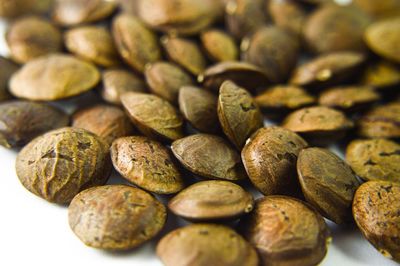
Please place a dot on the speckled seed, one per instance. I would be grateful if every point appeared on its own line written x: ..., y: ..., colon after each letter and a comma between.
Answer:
x: 108, y: 122
x: 217, y: 244
x: 153, y: 116
x: 243, y: 74
x: 165, y: 80
x: 209, y: 156
x: 59, y: 164
x: 73, y: 12
x: 274, y: 50
x: 287, y: 14
x: 243, y: 17
x: 199, y: 107
x: 94, y: 44
x: 379, y: 9
x: 381, y: 122
x: 7, y: 69
x: 328, y: 70
x: 335, y: 28
x: 136, y: 43
x: 147, y: 164
x: 54, y: 77
x: 348, y: 98
x: 285, y: 231
x: 383, y: 38
x: 116, y: 82
x: 185, y: 53
x: 31, y: 37
x: 376, y: 212
x: 212, y: 201
x: 319, y: 125
x: 115, y: 217
x: 328, y: 183
x: 381, y: 75
x: 238, y: 113
x: 22, y: 121
x: 375, y: 159
x: 183, y: 17
x: 15, y: 8
x: 219, y: 46
x: 270, y: 157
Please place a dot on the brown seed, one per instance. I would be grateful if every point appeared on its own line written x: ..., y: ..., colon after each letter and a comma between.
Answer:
x: 199, y: 107
x: 136, y: 43
x: 328, y: 70
x: 219, y: 45
x: 243, y: 74
x: 115, y: 217
x: 54, y: 77
x: 286, y: 231
x: 243, y: 17
x: 108, y: 122
x: 238, y: 113
x: 185, y: 53
x: 381, y: 122
x: 15, y: 8
x: 281, y: 99
x: 319, y: 125
x: 272, y: 49
x: 74, y: 12
x: 165, y: 80
x: 209, y: 156
x: 212, y: 201
x: 59, y: 164
x: 375, y: 159
x: 383, y: 38
x: 376, y: 212
x: 183, y: 17
x: 116, y: 82
x: 348, y: 98
x: 31, y: 37
x: 128, y: 6
x: 379, y: 9
x: 328, y: 183
x: 94, y: 44
x: 153, y: 116
x: 217, y: 244
x: 287, y: 14
x: 22, y: 121
x: 7, y: 69
x: 147, y: 164
x: 381, y: 75
x: 334, y: 28
x: 270, y: 157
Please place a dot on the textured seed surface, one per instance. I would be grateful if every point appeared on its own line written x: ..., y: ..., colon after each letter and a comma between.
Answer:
x: 206, y: 244
x: 285, y: 231
x: 59, y: 164
x: 376, y: 212
x: 21, y: 121
x: 212, y: 200
x: 31, y: 37
x: 136, y: 43
x: 153, y: 116
x: 287, y: 14
x: 328, y: 183
x: 147, y: 164
x: 381, y: 75
x: 108, y: 122
x: 7, y: 68
x: 165, y: 80
x: 270, y: 157
x: 375, y: 159
x: 238, y: 113
x: 199, y: 107
x: 219, y: 45
x: 54, y: 77
x: 115, y: 217
x: 116, y: 82
x: 94, y: 44
x: 209, y: 156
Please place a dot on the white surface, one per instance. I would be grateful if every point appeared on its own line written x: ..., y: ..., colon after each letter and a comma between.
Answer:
x: 35, y: 232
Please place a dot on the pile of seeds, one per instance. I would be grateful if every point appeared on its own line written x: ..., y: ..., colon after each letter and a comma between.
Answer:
x: 183, y: 89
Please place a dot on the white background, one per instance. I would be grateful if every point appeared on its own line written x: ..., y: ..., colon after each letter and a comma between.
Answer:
x: 35, y: 232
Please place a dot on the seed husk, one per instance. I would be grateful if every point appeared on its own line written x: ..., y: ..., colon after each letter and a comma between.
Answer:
x: 7, y: 69
x: 381, y: 75
x: 219, y: 46
x: 287, y: 14
x: 379, y: 9
x: 14, y: 8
